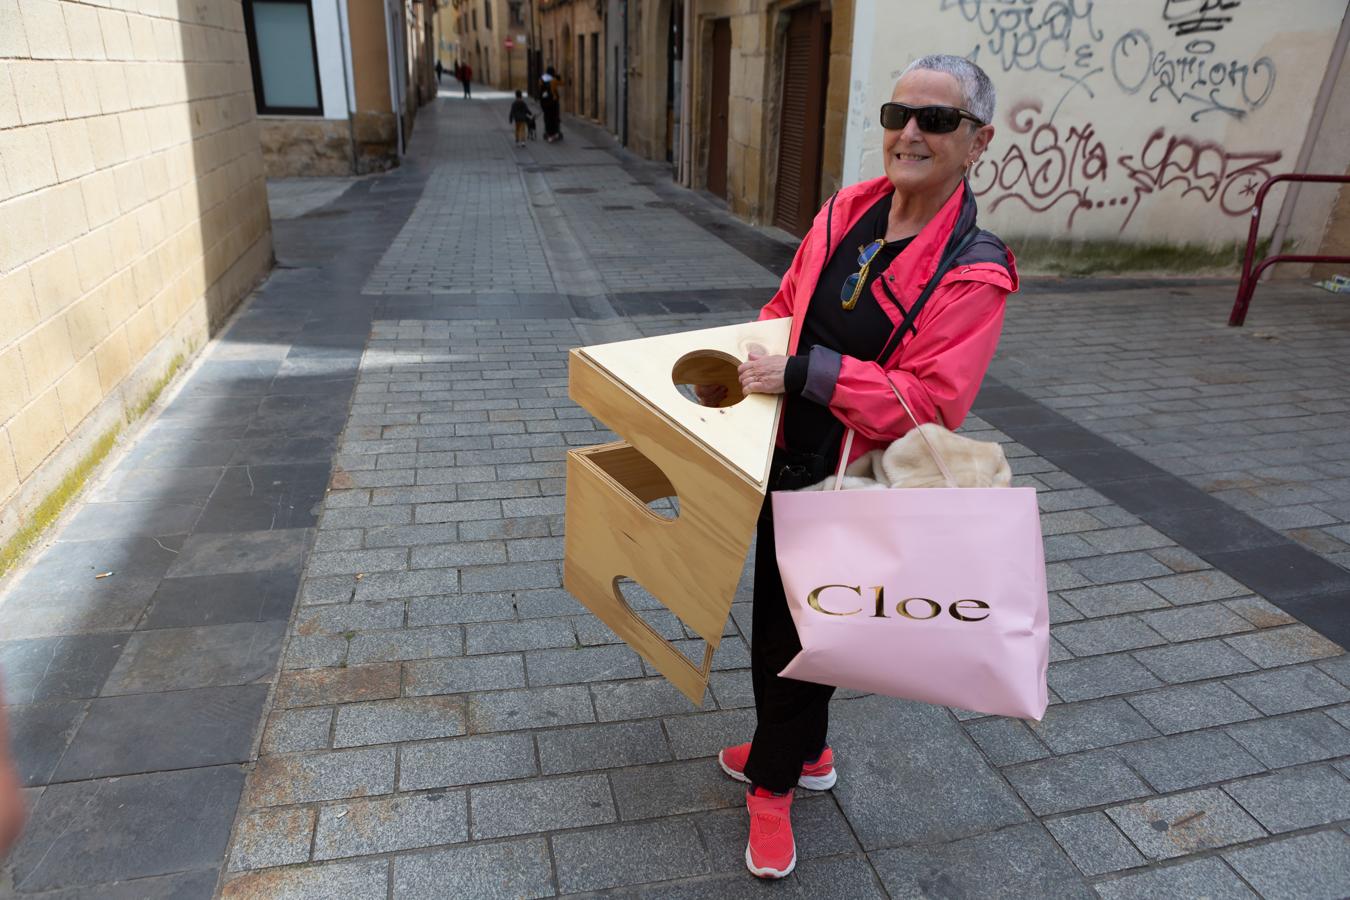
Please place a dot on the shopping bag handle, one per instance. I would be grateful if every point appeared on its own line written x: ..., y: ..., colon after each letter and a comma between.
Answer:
x: 937, y: 457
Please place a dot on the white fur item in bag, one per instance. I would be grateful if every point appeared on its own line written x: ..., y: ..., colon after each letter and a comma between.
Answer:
x: 907, y: 463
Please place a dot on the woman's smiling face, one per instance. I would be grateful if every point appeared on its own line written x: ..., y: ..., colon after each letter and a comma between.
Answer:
x: 918, y: 162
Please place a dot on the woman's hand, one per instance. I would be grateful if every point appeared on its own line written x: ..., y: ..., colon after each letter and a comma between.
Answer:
x: 762, y: 374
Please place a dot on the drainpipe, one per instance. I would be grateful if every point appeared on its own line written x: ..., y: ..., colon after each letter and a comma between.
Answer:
x: 395, y: 99
x: 1319, y: 114
x: 345, y: 36
x: 687, y: 98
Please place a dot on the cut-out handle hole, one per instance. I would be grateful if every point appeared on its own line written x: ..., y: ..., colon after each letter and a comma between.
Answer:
x: 708, y: 367
x: 641, y: 478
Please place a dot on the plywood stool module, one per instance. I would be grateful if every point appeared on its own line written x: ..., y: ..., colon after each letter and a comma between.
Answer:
x: 715, y: 460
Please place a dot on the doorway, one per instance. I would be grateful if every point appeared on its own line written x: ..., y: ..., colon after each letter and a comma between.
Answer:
x: 801, y: 119
x: 719, y: 107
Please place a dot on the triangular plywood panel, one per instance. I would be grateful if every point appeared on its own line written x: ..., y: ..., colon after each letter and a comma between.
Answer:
x: 741, y: 435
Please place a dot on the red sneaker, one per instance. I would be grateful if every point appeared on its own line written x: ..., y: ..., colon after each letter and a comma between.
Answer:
x: 771, y: 852
x: 816, y: 776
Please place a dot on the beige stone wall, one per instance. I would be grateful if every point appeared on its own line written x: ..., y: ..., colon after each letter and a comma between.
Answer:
x: 133, y: 214
x: 561, y: 24
x: 305, y: 147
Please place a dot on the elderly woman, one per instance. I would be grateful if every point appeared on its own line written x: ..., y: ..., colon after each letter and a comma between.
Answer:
x: 893, y: 283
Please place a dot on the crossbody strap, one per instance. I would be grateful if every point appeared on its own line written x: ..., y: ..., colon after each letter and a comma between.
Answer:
x: 945, y: 265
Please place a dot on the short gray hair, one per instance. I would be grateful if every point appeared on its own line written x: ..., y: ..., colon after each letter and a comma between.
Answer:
x: 976, y: 87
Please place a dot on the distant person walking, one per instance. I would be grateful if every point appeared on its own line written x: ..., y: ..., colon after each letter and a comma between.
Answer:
x: 548, y: 100
x: 465, y: 77
x: 440, y: 71
x: 520, y: 117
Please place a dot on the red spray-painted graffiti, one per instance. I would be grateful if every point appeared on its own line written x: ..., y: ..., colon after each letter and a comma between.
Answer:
x: 1046, y: 167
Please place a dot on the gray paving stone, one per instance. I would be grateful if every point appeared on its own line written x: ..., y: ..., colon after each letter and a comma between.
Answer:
x: 1065, y: 783
x: 1286, y: 801
x: 358, y: 562
x: 1094, y: 843
x: 1208, y: 878
x: 1191, y: 623
x: 247, y: 551
x: 405, y: 643
x: 473, y: 553
x: 576, y: 665
x: 362, y: 828
x: 593, y: 747
x: 1069, y: 728
x: 568, y: 801
x: 409, y: 535
x: 297, y: 729
x: 520, y: 869
x: 704, y: 734
x: 394, y: 721
x: 310, y: 777
x: 670, y: 789
x: 89, y: 833
x: 272, y: 837
x: 308, y: 651
x: 1123, y: 540
x: 170, y: 659
x: 617, y: 701
x: 349, y: 617
x: 519, y: 576
x: 1194, y: 661
x: 1307, y: 867
x: 628, y: 855
x: 1189, y: 760
x: 1289, y: 690
x: 321, y: 687
x: 1338, y: 667
x: 532, y: 634
x: 1006, y: 741
x: 532, y: 708
x: 1197, y: 587
x: 1088, y: 679
x: 1098, y: 636
x: 406, y: 585
x: 935, y: 752
x: 1292, y: 740
x: 1030, y: 865
x: 1168, y: 827
x: 458, y: 675
x: 469, y: 760
x: 1284, y: 646
x: 1189, y: 707
x: 357, y: 880
x: 1113, y: 599
x: 1120, y: 567
x: 1260, y: 612
x: 458, y: 609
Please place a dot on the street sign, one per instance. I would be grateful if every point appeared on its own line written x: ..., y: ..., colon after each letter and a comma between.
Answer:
x: 509, y: 43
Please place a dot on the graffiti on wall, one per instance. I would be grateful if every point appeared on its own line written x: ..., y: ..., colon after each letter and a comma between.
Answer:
x: 1057, y: 167
x: 1050, y: 167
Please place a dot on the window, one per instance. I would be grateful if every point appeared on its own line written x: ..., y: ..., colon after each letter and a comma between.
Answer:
x: 281, y: 53
x: 517, y: 14
x: 475, y: 20
x: 487, y: 14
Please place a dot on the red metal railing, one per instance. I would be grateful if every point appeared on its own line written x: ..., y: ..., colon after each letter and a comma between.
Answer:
x: 1250, y: 275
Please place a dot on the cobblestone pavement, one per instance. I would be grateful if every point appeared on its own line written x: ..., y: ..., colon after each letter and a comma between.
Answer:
x: 448, y: 722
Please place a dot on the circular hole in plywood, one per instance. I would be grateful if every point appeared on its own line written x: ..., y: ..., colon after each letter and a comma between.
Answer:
x: 710, y: 367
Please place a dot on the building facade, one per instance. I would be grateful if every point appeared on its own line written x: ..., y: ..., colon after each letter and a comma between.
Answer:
x: 338, y: 82
x: 572, y: 41
x: 495, y: 38
x: 133, y: 218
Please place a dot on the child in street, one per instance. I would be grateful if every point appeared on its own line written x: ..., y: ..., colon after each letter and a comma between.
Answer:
x: 520, y: 117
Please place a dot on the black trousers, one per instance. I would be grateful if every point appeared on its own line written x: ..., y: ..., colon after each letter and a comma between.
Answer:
x: 792, y: 716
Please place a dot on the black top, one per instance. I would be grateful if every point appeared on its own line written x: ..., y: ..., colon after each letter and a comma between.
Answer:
x: 861, y: 332
x: 520, y: 111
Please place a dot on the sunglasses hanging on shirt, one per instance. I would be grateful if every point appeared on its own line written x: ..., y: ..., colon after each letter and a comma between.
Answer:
x: 930, y: 119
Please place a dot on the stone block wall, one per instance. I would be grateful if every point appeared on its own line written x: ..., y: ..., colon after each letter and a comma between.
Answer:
x: 133, y: 215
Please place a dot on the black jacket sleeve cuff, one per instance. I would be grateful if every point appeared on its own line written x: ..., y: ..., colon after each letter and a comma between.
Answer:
x: 794, y: 376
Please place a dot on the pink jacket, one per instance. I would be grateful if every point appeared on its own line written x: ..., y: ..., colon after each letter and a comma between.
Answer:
x: 942, y: 360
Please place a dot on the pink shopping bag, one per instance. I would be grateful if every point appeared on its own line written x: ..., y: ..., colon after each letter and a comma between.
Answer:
x: 930, y: 594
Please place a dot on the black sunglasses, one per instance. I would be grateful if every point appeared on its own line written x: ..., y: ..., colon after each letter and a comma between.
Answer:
x: 932, y: 119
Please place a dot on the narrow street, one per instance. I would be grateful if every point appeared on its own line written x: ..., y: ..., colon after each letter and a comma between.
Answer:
x: 307, y: 637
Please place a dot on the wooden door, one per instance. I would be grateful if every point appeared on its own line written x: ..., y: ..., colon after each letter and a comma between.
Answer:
x: 719, y: 107
x: 801, y: 121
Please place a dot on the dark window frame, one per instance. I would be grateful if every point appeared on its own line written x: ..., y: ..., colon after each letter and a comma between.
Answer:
x: 255, y: 64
